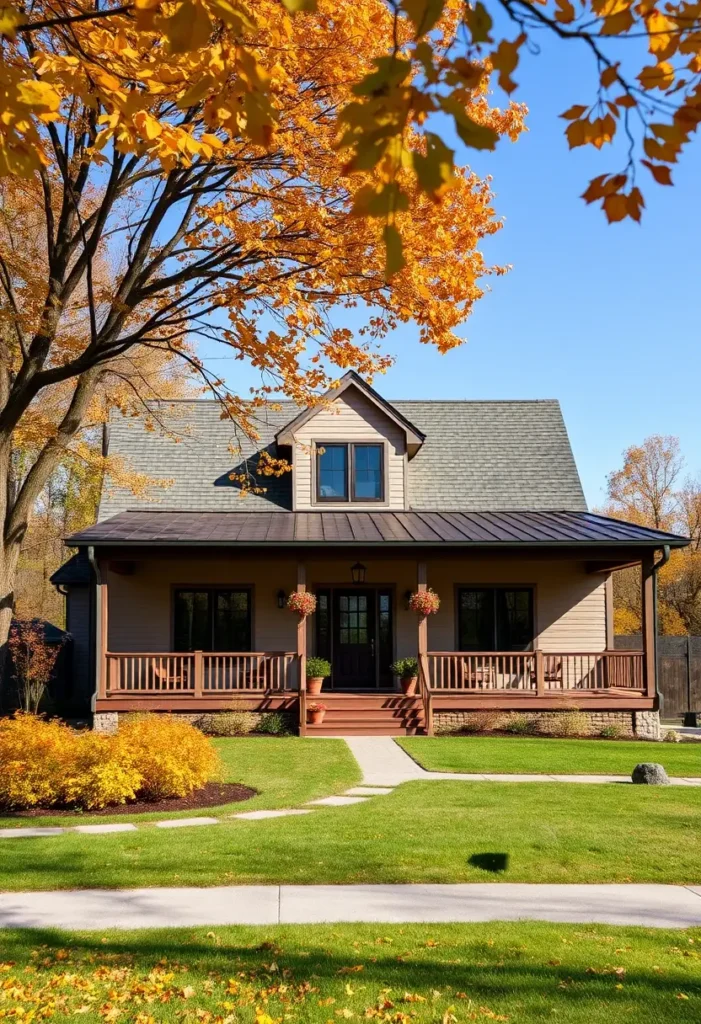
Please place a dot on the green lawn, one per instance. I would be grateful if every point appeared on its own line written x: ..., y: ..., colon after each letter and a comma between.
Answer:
x: 422, y: 832
x: 286, y: 772
x: 531, y: 754
x: 523, y: 973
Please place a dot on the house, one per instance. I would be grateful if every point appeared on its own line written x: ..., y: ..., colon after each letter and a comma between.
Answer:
x: 177, y: 597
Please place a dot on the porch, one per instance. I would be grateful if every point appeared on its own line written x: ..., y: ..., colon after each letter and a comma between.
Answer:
x: 361, y: 626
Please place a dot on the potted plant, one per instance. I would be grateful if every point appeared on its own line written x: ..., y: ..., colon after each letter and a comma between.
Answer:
x: 318, y: 669
x: 408, y: 671
x: 315, y: 713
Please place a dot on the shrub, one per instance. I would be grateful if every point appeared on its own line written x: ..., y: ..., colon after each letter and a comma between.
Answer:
x: 33, y: 755
x: 405, y: 668
x: 518, y: 724
x: 672, y: 736
x: 318, y: 668
x: 227, y: 723
x: 33, y: 660
x: 172, y: 757
x: 273, y: 723
x: 611, y: 732
x: 99, y: 773
x: 47, y: 764
x: 571, y: 723
x: 483, y: 721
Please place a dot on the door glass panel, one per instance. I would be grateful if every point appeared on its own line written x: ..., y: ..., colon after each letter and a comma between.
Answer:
x: 191, y: 625
x: 332, y: 466
x: 323, y: 625
x: 385, y: 650
x: 367, y: 472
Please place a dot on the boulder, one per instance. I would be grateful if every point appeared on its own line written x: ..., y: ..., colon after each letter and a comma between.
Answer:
x: 650, y: 774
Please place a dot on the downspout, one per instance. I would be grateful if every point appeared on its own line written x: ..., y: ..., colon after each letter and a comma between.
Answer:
x: 94, y: 625
x: 656, y: 566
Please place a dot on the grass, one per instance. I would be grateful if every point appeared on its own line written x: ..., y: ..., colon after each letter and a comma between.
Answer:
x: 422, y: 832
x: 532, y: 754
x: 287, y: 772
x: 521, y: 972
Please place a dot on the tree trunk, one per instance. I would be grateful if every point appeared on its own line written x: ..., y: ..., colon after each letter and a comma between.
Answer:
x: 9, y: 555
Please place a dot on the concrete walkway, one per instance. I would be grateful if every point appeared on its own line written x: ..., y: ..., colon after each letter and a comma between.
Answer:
x: 385, y: 763
x: 653, y: 906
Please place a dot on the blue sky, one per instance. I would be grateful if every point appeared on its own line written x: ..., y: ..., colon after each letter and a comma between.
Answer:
x: 603, y: 317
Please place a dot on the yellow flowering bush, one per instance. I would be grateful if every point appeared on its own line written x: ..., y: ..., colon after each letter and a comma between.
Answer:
x: 172, y: 757
x: 47, y: 764
x: 33, y: 755
x: 99, y: 773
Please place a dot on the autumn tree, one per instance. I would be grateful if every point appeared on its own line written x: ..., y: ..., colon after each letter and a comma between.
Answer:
x: 645, y: 98
x: 649, y: 490
x: 207, y: 173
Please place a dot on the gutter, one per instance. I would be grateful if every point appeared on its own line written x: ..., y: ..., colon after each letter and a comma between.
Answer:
x: 94, y: 623
x: 656, y: 566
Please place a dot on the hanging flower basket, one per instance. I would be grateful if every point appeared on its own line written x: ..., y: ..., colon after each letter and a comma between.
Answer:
x: 425, y: 603
x: 302, y: 603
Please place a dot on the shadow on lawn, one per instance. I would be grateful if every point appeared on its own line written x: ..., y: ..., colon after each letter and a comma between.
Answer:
x: 496, y: 863
x: 486, y: 961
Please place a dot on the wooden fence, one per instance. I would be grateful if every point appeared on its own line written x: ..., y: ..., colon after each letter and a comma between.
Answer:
x: 678, y: 671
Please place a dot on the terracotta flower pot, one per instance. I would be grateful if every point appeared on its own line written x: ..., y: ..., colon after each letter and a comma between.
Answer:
x: 314, y: 685
x: 315, y: 717
x: 409, y: 685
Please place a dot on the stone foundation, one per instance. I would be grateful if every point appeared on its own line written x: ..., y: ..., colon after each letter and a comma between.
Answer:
x: 106, y: 721
x: 644, y: 725
x: 248, y: 721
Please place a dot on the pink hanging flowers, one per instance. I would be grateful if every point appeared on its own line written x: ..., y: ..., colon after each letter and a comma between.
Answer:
x: 425, y: 603
x: 302, y: 602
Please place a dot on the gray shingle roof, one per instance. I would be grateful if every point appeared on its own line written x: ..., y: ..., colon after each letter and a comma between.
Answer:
x: 476, y: 456
x: 74, y: 572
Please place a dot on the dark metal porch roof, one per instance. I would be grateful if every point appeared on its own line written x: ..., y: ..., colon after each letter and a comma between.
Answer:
x: 387, y: 529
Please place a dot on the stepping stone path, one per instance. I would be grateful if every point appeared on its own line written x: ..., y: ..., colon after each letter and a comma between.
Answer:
x: 384, y: 765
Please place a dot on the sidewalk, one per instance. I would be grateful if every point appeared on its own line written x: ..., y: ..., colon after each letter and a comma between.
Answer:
x: 653, y: 906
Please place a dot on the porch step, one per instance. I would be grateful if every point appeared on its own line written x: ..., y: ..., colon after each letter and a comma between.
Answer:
x: 388, y: 714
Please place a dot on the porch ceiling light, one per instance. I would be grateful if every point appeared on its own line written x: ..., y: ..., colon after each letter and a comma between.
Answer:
x: 358, y: 572
x: 281, y: 598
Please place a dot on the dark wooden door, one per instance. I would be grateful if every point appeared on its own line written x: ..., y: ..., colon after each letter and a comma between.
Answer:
x: 354, y: 660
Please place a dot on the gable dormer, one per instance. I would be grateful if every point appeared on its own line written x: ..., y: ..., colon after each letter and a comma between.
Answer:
x: 350, y: 452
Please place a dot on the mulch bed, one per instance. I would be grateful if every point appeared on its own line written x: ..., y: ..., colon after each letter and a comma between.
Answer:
x: 213, y: 794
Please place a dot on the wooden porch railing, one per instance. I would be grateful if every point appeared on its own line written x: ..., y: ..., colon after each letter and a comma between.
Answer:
x: 199, y: 674
x: 535, y: 671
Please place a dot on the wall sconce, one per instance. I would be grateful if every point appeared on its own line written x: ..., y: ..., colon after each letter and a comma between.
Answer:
x: 407, y: 597
x: 281, y: 598
x: 358, y: 572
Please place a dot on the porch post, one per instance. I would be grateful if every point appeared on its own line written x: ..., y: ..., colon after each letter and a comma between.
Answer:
x: 102, y: 644
x: 648, y: 624
x: 302, y: 652
x: 422, y: 584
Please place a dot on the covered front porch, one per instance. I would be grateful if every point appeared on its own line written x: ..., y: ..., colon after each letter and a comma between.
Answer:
x: 518, y: 631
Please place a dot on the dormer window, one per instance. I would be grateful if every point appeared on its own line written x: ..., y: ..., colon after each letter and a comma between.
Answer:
x: 350, y: 472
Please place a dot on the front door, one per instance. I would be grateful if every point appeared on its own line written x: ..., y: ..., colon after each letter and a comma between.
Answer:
x: 354, y: 662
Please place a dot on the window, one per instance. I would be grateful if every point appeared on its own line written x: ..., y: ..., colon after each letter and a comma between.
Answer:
x: 212, y: 620
x: 352, y: 472
x: 495, y: 618
x: 367, y: 472
x: 332, y: 484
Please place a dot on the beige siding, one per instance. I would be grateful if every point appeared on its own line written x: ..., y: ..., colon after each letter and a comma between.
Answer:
x: 570, y: 604
x: 140, y: 606
x: 352, y: 417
